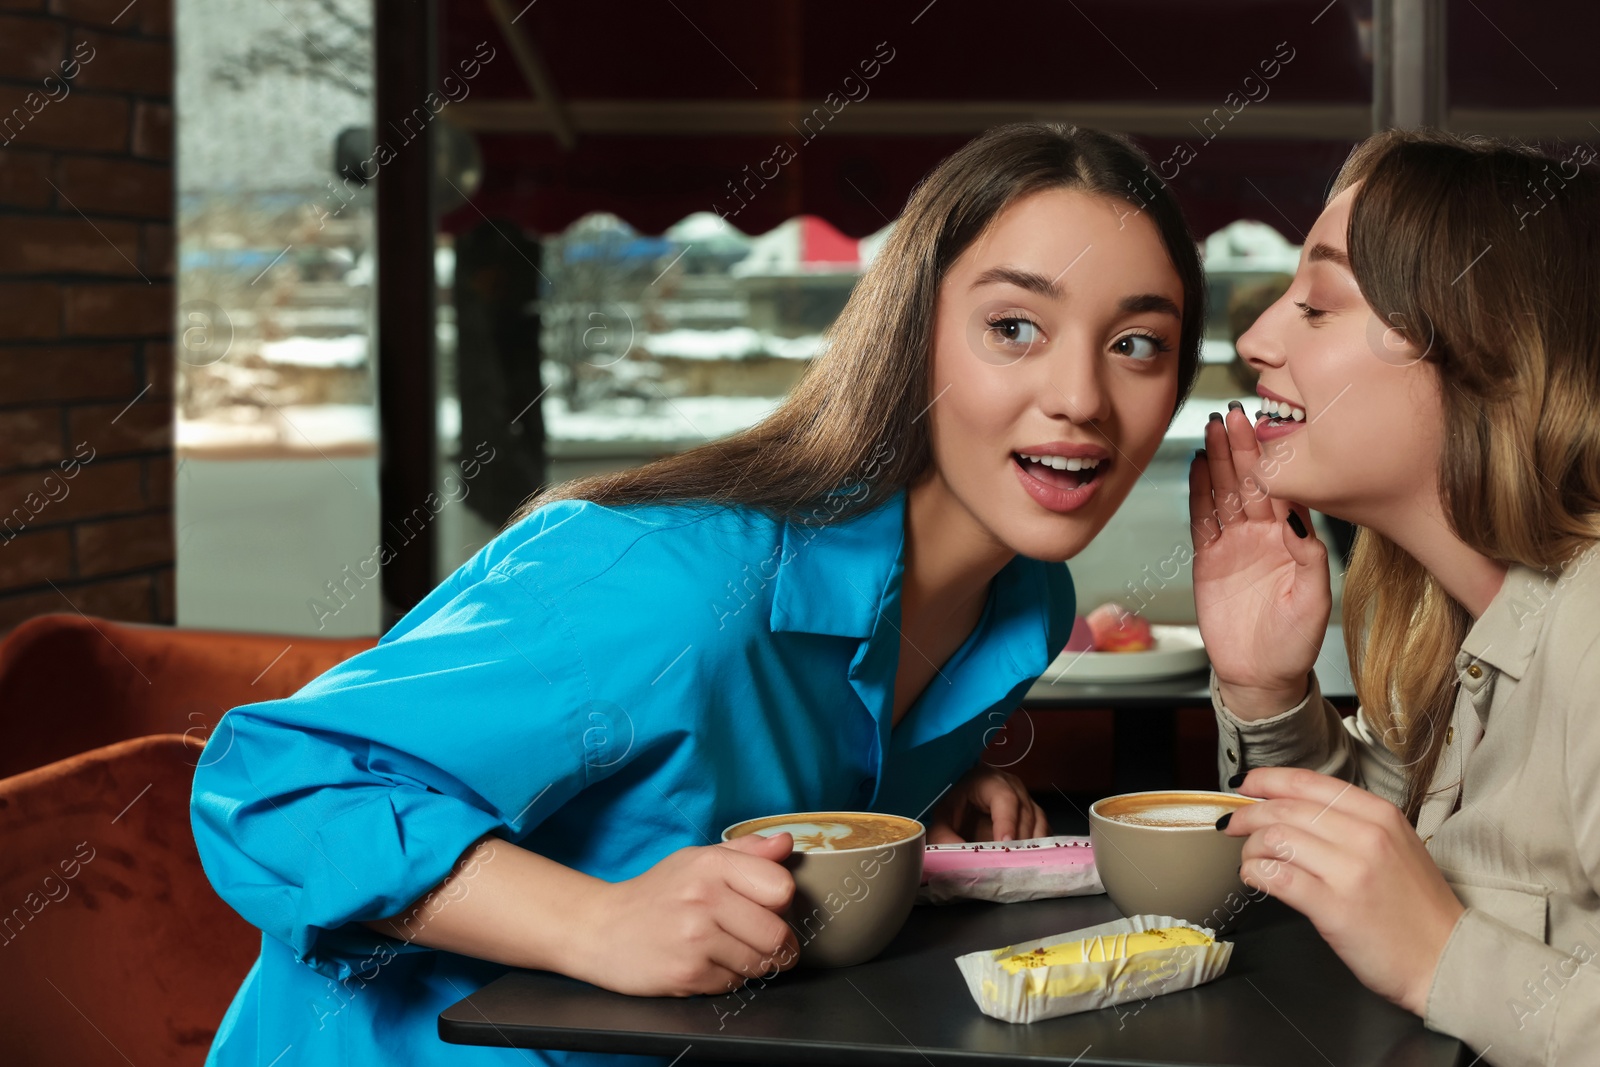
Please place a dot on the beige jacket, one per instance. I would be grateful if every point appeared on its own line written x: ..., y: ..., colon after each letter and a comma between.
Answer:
x: 1514, y: 820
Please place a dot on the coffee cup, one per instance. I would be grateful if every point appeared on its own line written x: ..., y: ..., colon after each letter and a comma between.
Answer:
x: 1160, y: 853
x: 855, y: 879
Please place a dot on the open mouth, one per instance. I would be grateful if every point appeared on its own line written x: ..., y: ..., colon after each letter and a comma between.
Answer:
x: 1281, y: 413
x: 1061, y: 472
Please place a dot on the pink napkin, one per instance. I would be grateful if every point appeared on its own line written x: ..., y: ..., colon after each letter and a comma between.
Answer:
x: 1009, y: 872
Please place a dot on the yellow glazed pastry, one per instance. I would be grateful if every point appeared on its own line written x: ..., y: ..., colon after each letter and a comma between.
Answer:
x: 1136, y: 958
x: 1098, y: 949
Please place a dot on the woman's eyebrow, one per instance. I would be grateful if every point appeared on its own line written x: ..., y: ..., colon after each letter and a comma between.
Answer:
x: 1321, y: 251
x: 1134, y: 305
x: 1032, y: 281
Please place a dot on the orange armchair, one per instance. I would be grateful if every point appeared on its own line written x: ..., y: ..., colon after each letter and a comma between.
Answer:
x: 69, y: 683
x: 113, y: 946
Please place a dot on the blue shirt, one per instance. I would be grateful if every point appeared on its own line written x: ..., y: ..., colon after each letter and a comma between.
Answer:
x: 602, y: 686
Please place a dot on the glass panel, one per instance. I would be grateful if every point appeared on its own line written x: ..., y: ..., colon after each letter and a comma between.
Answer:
x: 654, y: 335
x: 276, y: 495
x: 646, y: 344
x: 653, y: 344
x: 656, y: 343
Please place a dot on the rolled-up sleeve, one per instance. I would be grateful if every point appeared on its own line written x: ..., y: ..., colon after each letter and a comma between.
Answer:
x: 1311, y: 734
x: 356, y: 796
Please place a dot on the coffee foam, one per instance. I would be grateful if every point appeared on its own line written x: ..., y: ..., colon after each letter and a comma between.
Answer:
x: 825, y: 834
x: 1175, y: 809
x: 1174, y: 815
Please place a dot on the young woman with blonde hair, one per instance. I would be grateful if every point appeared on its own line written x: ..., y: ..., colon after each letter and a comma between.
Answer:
x: 1432, y: 375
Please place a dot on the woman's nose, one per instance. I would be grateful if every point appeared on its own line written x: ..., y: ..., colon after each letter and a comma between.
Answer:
x: 1259, y: 345
x: 1075, y: 389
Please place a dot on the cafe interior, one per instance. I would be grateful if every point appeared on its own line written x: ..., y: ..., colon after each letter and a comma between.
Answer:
x: 303, y: 299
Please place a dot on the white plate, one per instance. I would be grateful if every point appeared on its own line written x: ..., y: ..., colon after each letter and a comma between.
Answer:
x: 1178, y: 651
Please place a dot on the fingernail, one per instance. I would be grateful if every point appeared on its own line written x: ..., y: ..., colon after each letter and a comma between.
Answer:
x: 1199, y: 453
x: 1005, y: 837
x: 1237, y: 780
x: 1296, y: 525
x: 1222, y: 823
x: 1216, y: 416
x: 1234, y: 405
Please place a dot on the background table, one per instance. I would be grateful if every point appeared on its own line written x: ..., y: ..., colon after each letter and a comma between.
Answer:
x: 1146, y: 710
x: 1285, y: 1001
x: 1056, y: 689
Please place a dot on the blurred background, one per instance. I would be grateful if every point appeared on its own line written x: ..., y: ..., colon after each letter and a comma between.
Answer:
x: 639, y: 220
x: 379, y: 281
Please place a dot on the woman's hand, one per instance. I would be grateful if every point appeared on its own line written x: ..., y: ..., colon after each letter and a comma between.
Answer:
x: 1352, y: 864
x: 1261, y: 591
x: 986, y: 804
x: 702, y: 920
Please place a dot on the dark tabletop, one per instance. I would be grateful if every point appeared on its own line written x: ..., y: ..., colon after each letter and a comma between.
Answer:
x: 1285, y: 1001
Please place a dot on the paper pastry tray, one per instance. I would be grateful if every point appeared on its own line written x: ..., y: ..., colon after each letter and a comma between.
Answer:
x: 1063, y: 989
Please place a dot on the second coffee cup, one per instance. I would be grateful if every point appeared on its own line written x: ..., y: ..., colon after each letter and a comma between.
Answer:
x: 1159, y: 853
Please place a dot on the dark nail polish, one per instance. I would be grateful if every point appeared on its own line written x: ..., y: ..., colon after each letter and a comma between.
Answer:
x: 1234, y: 405
x: 1222, y: 823
x: 1237, y: 780
x: 1296, y: 525
x: 1199, y: 453
x: 1216, y: 416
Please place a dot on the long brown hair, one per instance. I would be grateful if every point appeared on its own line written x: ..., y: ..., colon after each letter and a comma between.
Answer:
x: 1488, y: 256
x: 852, y: 421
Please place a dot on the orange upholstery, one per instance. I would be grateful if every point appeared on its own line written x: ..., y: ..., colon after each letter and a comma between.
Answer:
x: 113, y: 946
x: 69, y: 683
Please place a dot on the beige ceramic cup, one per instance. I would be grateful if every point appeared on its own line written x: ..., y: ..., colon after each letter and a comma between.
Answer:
x: 849, y: 902
x: 1160, y: 853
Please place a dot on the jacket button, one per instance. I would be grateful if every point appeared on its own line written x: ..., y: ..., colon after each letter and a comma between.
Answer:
x: 1449, y: 735
x: 1231, y: 757
x: 1474, y: 671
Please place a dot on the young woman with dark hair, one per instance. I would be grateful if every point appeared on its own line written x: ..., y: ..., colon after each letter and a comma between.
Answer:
x: 834, y: 609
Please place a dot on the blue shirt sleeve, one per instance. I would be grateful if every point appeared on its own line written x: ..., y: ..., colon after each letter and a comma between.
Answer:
x: 356, y: 796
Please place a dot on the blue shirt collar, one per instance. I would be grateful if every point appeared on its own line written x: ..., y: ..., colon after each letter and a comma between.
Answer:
x: 843, y: 579
x: 832, y: 579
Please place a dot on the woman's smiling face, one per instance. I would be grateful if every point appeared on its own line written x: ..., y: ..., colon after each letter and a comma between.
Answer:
x: 1363, y: 431
x: 1055, y: 368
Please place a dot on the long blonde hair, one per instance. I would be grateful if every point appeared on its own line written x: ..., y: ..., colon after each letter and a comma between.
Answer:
x: 1488, y: 256
x: 852, y: 421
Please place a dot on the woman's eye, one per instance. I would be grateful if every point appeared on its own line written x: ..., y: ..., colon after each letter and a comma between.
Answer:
x: 1139, y: 346
x: 1014, y: 331
x: 1309, y: 312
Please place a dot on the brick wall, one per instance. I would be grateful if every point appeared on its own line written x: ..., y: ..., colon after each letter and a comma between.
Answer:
x: 86, y: 265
